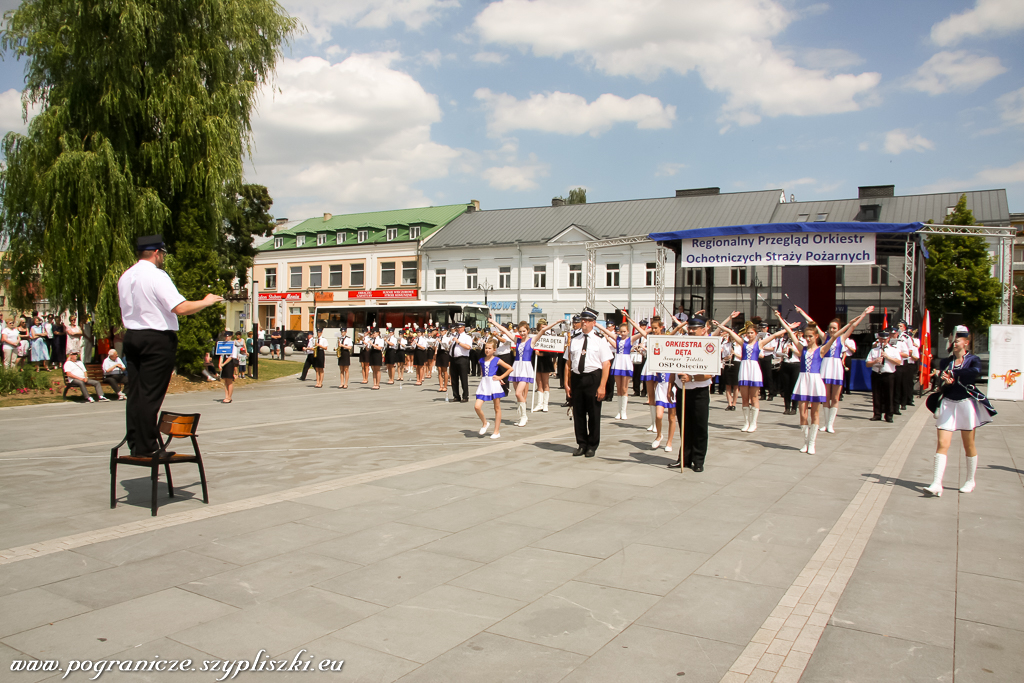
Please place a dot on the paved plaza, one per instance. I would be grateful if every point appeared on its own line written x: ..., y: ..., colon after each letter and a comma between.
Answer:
x: 378, y: 528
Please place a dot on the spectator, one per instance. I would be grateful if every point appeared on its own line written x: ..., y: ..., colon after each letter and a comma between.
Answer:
x: 228, y: 364
x: 79, y: 377
x: 40, y: 349
x: 115, y: 373
x: 10, y: 340
x: 209, y: 369
x: 276, y: 343
x: 250, y: 350
x: 243, y: 356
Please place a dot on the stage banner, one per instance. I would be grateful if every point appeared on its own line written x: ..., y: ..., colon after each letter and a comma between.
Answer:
x: 687, y: 355
x: 1005, y: 362
x: 550, y: 342
x: 780, y: 249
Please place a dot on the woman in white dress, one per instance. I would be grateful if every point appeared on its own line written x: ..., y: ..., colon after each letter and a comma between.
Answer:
x: 523, y: 372
x: 622, y: 364
x: 489, y: 388
x: 747, y: 348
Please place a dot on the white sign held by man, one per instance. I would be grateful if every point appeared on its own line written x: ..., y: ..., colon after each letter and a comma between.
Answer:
x: 550, y: 342
x: 686, y: 355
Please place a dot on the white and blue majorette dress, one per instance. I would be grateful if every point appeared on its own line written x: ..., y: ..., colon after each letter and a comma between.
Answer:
x: 646, y: 374
x: 489, y: 387
x: 809, y: 386
x: 962, y: 407
x: 664, y: 392
x: 522, y: 368
x: 832, y: 364
x: 750, y: 371
x: 622, y: 365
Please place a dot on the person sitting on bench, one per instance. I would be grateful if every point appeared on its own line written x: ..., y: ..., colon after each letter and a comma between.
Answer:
x: 78, y: 376
x: 115, y: 373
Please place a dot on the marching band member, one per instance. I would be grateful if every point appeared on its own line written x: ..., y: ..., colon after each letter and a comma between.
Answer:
x: 647, y: 376
x: 788, y: 373
x: 420, y: 356
x: 460, y: 362
x: 574, y: 332
x: 545, y: 366
x: 344, y: 352
x: 833, y: 371
x: 622, y: 365
x: 522, y: 369
x: 391, y: 354
x: 320, y: 359
x: 695, y: 411
x: 444, y: 358
x: 364, y: 354
x: 489, y: 388
x: 376, y: 356
x: 589, y: 361
x: 883, y: 359
x: 664, y: 399
x: 748, y: 349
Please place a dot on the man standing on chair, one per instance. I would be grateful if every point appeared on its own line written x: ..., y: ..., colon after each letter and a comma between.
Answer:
x: 150, y: 306
x: 588, y: 362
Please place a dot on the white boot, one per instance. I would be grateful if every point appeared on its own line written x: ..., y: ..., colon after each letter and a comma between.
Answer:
x: 812, y: 436
x: 522, y: 414
x: 625, y: 404
x: 972, y: 466
x: 746, y: 419
x: 536, y: 402
x: 544, y: 408
x: 939, y: 469
x: 618, y: 415
x: 830, y: 427
x: 804, y: 429
x: 825, y: 412
x: 753, y: 418
x: 654, y: 418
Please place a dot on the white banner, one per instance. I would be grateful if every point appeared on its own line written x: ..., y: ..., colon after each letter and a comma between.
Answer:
x: 688, y: 355
x: 1005, y: 362
x: 550, y: 342
x: 780, y: 249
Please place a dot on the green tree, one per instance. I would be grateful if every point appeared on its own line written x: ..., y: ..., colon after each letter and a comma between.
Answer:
x: 248, y: 216
x: 958, y: 274
x: 577, y: 195
x: 144, y: 118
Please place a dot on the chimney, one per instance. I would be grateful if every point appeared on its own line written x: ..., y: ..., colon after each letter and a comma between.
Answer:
x: 327, y: 217
x: 872, y: 191
x: 698, y: 192
x: 282, y: 221
x: 475, y: 203
x: 557, y: 201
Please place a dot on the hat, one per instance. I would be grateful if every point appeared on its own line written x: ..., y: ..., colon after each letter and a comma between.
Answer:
x: 697, y: 321
x: 588, y: 314
x: 764, y: 325
x: 576, y: 318
x: 645, y: 322
x: 150, y: 243
x: 460, y: 323
x: 961, y: 331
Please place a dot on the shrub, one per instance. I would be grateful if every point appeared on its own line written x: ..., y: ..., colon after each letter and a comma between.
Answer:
x: 20, y: 381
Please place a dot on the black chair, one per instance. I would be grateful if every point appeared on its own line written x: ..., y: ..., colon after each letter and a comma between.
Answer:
x: 172, y: 426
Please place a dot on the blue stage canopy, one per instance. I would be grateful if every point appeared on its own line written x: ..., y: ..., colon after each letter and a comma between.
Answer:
x: 767, y: 228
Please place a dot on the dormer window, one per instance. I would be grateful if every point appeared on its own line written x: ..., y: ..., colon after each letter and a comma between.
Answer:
x: 392, y: 233
x: 414, y: 232
x: 360, y: 236
x: 321, y: 239
x: 340, y: 238
x: 278, y: 242
x: 300, y: 240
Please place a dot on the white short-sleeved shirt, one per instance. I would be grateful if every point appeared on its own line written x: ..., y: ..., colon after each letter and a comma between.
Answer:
x: 147, y: 298
x: 598, y: 351
x: 457, y: 350
x: 75, y: 368
x: 113, y: 365
x: 11, y: 336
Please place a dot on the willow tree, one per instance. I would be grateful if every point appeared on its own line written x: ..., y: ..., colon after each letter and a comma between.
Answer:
x: 143, y: 123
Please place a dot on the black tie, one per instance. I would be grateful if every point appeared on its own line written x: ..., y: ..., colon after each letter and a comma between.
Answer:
x: 583, y: 354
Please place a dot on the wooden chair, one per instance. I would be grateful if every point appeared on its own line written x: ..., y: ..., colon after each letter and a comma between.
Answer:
x: 172, y: 426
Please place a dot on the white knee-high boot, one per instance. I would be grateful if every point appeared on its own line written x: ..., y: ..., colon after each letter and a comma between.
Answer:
x: 812, y: 436
x: 625, y: 404
x: 939, y: 468
x: 544, y: 407
x: 654, y: 419
x: 522, y: 414
x: 830, y: 427
x: 825, y: 412
x: 972, y: 467
x: 746, y: 419
x: 804, y: 429
x: 753, y: 418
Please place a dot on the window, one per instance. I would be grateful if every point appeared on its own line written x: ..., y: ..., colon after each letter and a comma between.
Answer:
x: 738, y: 277
x: 270, y: 279
x: 355, y: 275
x: 392, y: 233
x: 821, y: 217
x: 360, y: 236
x: 504, y: 277
x: 339, y: 238
x: 440, y: 278
x: 471, y: 278
x: 575, y: 274
x: 879, y: 275
x: 650, y: 274
x: 695, y: 277
x: 611, y: 275
x: 802, y: 218
x: 414, y: 232
x: 950, y: 210
x: 278, y: 242
x: 321, y: 239
x: 840, y: 275
x: 316, y: 276
x: 387, y: 272
x: 409, y: 273
x: 295, y: 281
x: 540, y: 277
x: 336, y: 274
x: 300, y: 240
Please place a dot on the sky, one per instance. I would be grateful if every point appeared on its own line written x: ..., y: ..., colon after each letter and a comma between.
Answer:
x: 384, y: 104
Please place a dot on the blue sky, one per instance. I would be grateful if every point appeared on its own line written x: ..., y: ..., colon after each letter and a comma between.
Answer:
x: 395, y: 103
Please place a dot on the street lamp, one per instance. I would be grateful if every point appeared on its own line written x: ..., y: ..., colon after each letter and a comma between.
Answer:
x: 486, y: 287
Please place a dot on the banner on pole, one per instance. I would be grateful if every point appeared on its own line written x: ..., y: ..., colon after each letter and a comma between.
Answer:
x: 550, y: 342
x: 1006, y: 362
x: 686, y: 355
x: 780, y: 249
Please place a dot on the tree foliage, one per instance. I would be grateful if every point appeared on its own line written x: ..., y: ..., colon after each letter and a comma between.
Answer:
x: 248, y: 216
x: 577, y: 195
x: 958, y: 275
x: 144, y: 119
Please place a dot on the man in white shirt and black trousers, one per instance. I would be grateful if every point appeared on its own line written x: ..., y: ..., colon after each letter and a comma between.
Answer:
x: 589, y: 360
x: 150, y: 306
x: 695, y: 413
x: 460, y: 362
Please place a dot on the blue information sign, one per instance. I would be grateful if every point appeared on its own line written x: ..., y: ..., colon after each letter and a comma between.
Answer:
x: 225, y: 348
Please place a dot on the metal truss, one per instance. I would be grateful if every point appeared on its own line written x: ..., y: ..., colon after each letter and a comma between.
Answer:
x: 980, y: 230
x: 592, y: 248
x: 909, y: 267
x: 659, y: 284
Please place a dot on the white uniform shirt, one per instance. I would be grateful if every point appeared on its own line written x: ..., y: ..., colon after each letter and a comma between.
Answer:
x: 322, y: 342
x: 504, y: 346
x: 598, y: 351
x: 889, y: 356
x: 851, y: 348
x: 110, y: 366
x: 147, y: 298
x: 457, y: 350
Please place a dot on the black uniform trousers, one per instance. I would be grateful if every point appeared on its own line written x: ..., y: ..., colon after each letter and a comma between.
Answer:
x: 910, y: 374
x: 307, y: 365
x: 149, y: 355
x: 767, y: 379
x: 639, y: 388
x: 696, y: 412
x: 882, y: 400
x: 586, y: 409
x: 460, y: 377
x: 789, y: 373
x: 508, y: 358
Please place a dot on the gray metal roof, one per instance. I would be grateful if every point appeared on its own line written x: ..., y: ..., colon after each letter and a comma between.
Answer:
x: 989, y: 207
x: 604, y: 220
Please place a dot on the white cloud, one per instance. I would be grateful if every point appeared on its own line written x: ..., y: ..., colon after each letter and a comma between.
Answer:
x: 569, y: 114
x: 1012, y: 107
x: 432, y: 58
x: 319, y: 16
x: 515, y: 177
x: 348, y: 136
x: 727, y: 42
x: 668, y: 168
x: 956, y: 70
x: 864, y: 146
x: 987, y: 178
x: 11, y: 113
x: 987, y: 16
x: 489, y: 57
x: 898, y: 141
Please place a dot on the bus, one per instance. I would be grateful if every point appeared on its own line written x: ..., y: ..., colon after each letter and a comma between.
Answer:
x: 398, y: 314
